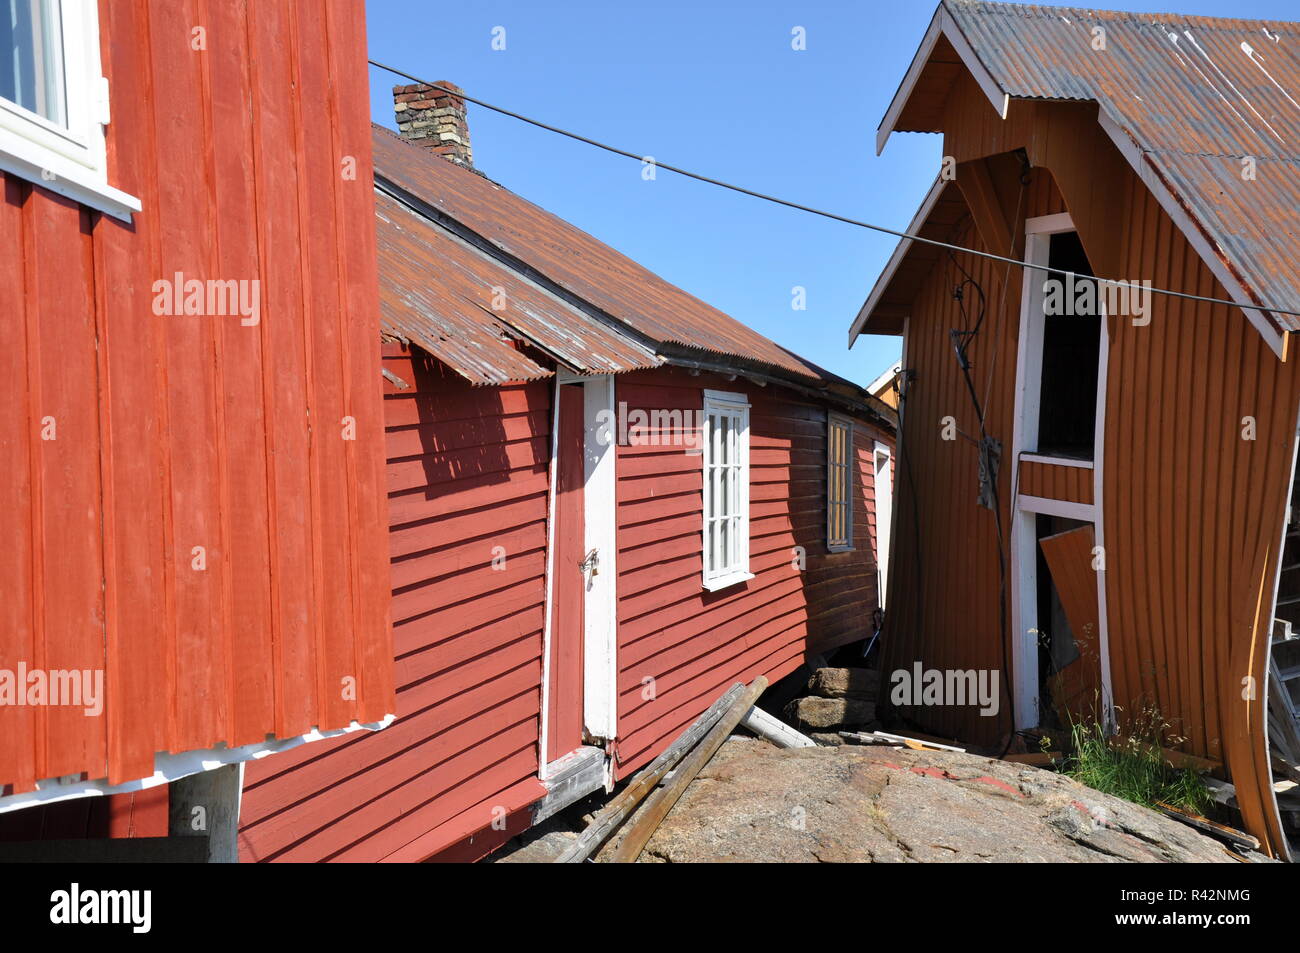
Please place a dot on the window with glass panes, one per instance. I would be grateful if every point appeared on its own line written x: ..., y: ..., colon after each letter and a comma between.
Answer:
x: 726, y: 489
x: 839, y: 472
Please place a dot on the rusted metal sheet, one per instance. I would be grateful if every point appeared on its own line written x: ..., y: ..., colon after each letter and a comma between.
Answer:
x: 1199, y: 97
x: 579, y: 263
x: 472, y: 312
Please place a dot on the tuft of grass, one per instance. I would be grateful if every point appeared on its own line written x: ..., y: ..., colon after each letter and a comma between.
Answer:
x: 1133, y: 767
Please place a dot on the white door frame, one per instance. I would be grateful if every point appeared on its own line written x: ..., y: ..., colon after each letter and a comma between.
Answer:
x: 600, y: 608
x: 884, y: 511
x: 1025, y: 509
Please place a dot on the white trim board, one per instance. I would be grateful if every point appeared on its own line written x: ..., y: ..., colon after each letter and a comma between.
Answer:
x: 889, y: 374
x: 543, y: 735
x: 172, y: 767
x: 896, y: 259
x: 884, y: 512
x: 1056, y: 461
x: 1099, y: 524
x: 600, y: 518
x: 1063, y: 508
x: 942, y: 23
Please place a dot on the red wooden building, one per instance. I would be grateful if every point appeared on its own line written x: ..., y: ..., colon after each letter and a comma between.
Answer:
x: 192, y: 492
x: 608, y: 501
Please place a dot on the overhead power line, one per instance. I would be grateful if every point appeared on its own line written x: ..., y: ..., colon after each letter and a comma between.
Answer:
x: 833, y: 216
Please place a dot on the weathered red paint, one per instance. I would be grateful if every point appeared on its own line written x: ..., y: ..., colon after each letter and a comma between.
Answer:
x: 565, y: 698
x: 467, y: 472
x: 179, y: 432
x: 693, y: 643
x: 469, y: 477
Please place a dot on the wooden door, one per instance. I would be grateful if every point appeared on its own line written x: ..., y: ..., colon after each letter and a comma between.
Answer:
x: 564, y: 710
x: 1076, y: 688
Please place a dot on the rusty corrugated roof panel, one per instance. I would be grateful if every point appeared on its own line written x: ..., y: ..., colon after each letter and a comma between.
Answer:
x: 577, y: 262
x: 468, y: 310
x: 1196, y: 95
x: 417, y: 306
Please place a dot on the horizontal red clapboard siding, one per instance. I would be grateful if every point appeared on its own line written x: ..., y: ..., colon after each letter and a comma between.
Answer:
x: 467, y: 473
x: 694, y: 643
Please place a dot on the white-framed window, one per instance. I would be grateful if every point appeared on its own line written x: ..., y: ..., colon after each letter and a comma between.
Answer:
x: 839, y: 483
x: 726, y: 489
x: 54, y: 101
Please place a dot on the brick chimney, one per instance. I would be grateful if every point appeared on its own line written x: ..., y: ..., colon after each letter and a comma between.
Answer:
x: 434, y: 118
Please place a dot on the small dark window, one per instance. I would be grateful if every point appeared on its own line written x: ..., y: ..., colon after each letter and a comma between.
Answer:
x: 1067, y: 414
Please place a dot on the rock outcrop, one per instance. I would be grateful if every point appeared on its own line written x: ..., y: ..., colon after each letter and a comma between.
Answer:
x: 755, y: 802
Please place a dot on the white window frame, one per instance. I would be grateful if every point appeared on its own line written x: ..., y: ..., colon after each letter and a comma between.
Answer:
x: 735, y: 406
x: 833, y: 422
x: 1024, y: 535
x: 71, y: 161
x: 1033, y: 325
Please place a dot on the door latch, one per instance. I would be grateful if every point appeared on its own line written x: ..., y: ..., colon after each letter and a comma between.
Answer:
x: 591, y: 563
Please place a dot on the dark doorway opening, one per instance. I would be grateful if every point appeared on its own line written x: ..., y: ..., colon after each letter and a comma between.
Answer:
x: 1067, y: 415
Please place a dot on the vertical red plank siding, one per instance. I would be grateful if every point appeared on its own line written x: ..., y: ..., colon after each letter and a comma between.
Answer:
x: 693, y: 643
x: 565, y: 701
x: 20, y: 743
x: 176, y: 432
x: 467, y: 472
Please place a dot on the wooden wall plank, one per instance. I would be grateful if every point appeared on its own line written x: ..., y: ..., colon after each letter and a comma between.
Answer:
x: 176, y: 431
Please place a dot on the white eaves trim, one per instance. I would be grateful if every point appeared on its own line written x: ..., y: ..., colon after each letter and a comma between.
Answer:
x: 896, y: 259
x: 885, y: 378
x: 944, y: 24
x: 173, y: 767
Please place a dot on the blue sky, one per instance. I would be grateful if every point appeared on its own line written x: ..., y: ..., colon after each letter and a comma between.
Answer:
x: 714, y: 87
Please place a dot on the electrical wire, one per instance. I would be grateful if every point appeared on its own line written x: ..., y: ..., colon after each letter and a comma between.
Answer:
x: 816, y: 211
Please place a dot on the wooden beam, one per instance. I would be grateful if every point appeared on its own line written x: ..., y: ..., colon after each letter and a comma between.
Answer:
x: 774, y: 730
x: 658, y: 805
x: 976, y: 184
x: 647, y: 779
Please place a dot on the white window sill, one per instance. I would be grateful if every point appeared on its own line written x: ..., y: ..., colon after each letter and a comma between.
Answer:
x: 1056, y: 461
x: 724, y: 582
x: 29, y: 161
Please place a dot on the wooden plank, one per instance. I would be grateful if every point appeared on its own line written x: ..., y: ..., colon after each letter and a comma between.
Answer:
x: 657, y: 806
x: 774, y: 730
x: 1077, y: 688
x: 609, y: 817
x: 1207, y: 826
x: 976, y: 184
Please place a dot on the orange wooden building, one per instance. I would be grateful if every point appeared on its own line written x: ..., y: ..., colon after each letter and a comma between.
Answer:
x: 1134, y: 549
x: 608, y: 502
x: 192, y: 493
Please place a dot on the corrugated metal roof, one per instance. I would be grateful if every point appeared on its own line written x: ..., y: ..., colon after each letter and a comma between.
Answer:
x: 422, y: 302
x: 439, y: 293
x: 1196, y: 95
x: 578, y: 263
